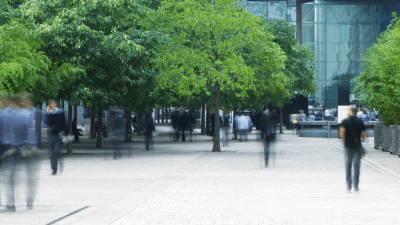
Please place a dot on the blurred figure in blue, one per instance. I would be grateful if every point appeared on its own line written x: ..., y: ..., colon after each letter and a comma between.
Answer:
x: 244, y: 125
x: 365, y: 117
x: 149, y: 127
x: 18, y: 145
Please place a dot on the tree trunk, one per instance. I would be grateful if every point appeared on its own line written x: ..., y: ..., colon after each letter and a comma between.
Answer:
x: 69, y: 145
x: 39, y: 125
x: 139, y: 123
x: 234, y: 131
x: 208, y: 121
x: 99, y: 127
x: 158, y: 115
x: 281, y: 123
x: 162, y: 114
x: 76, y: 113
x: 62, y: 104
x: 92, y: 121
x: 203, y: 111
x: 216, y: 145
x: 128, y: 130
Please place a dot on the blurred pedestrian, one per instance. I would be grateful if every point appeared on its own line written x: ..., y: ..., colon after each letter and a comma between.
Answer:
x: 117, y: 130
x: 183, y: 123
x: 365, y: 117
x: 243, y: 126
x: 18, y: 146
x: 56, y: 120
x: 149, y: 127
x: 191, y: 123
x: 300, y: 117
x: 225, y: 128
x: 175, y: 125
x: 134, y: 124
x: 269, y: 134
x: 350, y: 132
x: 75, y: 130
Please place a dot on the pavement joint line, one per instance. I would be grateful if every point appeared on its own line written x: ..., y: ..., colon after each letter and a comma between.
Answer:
x: 74, y: 212
x: 375, y: 165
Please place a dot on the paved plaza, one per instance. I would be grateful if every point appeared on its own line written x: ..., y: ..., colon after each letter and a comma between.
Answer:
x: 185, y: 183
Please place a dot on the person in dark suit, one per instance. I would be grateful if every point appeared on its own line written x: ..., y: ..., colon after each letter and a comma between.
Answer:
x: 75, y: 130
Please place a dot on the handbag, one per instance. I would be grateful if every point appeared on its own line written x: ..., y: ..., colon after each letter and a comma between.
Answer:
x: 361, y: 149
x: 66, y: 138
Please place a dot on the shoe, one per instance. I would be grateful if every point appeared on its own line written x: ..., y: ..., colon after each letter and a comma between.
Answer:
x: 8, y: 208
x: 356, y: 189
x: 54, y: 173
x: 29, y: 207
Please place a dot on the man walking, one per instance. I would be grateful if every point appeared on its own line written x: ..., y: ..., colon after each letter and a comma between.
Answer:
x: 149, y: 127
x: 55, y: 119
x: 350, y: 132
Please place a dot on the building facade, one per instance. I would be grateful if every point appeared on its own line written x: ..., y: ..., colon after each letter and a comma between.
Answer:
x: 339, y: 32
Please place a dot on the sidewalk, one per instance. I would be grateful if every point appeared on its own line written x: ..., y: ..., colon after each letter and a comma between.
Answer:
x: 185, y: 183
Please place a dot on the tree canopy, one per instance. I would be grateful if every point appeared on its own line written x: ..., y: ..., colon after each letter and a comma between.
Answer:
x: 379, y: 84
x: 203, y: 51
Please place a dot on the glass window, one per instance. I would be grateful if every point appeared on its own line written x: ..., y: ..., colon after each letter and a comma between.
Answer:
x: 277, y: 10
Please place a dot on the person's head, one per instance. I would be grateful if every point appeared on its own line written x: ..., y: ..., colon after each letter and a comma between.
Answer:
x: 52, y: 104
x: 352, y: 110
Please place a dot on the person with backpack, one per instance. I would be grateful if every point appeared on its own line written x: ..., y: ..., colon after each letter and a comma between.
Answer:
x: 56, y: 120
x: 350, y: 132
x: 149, y: 127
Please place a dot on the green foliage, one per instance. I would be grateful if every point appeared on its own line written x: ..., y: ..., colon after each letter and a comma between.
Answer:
x: 379, y: 84
x: 299, y: 67
x: 21, y: 61
x: 103, y: 38
x: 202, y: 50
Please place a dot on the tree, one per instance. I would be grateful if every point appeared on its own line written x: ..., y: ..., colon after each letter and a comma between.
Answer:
x: 378, y: 85
x: 103, y: 38
x: 201, y: 51
x: 21, y: 61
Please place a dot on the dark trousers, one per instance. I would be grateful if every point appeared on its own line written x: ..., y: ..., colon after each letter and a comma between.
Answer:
x: 148, y: 141
x: 76, y: 136
x: 183, y: 129
x: 352, y: 157
x: 54, y: 148
x: 117, y: 149
x: 267, y: 145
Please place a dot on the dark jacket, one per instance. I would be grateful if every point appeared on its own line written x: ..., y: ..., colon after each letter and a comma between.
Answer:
x: 56, y: 121
x: 148, y: 125
x: 358, y: 127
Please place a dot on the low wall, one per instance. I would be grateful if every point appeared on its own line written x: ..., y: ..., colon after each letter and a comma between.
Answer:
x: 327, y: 129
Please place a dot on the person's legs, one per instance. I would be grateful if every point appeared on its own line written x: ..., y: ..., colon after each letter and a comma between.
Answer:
x: 32, y: 167
x: 56, y: 142
x: 183, y: 133
x: 147, y: 141
x: 266, y: 151
x: 348, y: 159
x: 356, y: 165
x: 9, y: 168
x: 76, y: 136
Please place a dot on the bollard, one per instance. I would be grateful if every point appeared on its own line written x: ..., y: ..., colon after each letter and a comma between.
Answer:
x: 392, y: 137
x: 395, y: 139
x: 377, y: 136
x: 385, y: 139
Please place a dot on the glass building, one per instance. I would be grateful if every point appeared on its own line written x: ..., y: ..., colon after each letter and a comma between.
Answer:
x: 339, y: 32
